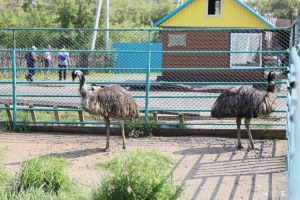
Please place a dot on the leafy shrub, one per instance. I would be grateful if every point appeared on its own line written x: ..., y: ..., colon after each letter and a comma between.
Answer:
x: 5, y: 178
x: 139, y: 127
x: 45, y: 173
x: 38, y: 193
x: 7, y: 126
x: 138, y: 174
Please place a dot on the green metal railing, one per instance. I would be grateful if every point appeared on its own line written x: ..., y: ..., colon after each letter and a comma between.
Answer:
x: 173, y: 98
x: 293, y: 118
x: 293, y: 153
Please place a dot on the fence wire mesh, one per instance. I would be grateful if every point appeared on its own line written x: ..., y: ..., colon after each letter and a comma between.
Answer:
x: 184, y: 70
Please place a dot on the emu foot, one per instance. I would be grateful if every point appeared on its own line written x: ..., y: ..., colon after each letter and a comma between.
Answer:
x: 107, y: 149
x: 251, y: 145
x: 239, y: 146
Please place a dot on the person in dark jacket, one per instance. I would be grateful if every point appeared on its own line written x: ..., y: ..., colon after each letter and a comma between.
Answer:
x: 31, y: 61
x: 63, y: 62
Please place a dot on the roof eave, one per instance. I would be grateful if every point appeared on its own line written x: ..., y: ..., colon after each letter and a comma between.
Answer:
x: 256, y: 14
x: 159, y: 22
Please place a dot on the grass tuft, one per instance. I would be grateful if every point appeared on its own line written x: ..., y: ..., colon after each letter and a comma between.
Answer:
x: 8, y: 126
x: 138, y: 174
x: 44, y: 173
x: 140, y: 127
x: 5, y: 178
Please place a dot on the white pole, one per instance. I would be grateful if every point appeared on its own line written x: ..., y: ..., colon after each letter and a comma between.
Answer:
x: 106, y: 24
x: 96, y: 22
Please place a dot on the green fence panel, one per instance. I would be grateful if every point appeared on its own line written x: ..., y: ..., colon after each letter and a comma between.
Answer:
x: 293, y: 115
x: 196, y: 66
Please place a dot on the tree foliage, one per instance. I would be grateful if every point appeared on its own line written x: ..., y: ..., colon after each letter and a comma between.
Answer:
x: 283, y: 9
x: 81, y: 13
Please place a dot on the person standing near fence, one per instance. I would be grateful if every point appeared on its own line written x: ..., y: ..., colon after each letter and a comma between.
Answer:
x: 30, y: 60
x: 63, y: 62
x: 46, y: 59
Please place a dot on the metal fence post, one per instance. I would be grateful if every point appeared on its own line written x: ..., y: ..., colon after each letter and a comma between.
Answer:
x: 148, y: 77
x: 298, y: 32
x: 294, y: 138
x: 14, y: 79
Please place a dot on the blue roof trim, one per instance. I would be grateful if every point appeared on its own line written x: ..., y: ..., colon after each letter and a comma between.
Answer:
x: 256, y: 14
x: 172, y: 13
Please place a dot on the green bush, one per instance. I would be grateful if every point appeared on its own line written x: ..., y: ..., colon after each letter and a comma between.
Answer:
x: 40, y: 194
x: 139, y: 127
x: 45, y: 173
x: 8, y: 126
x: 41, y: 178
x: 5, y: 178
x: 138, y: 175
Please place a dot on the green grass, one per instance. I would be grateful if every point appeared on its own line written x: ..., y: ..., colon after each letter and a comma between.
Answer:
x: 45, y: 173
x: 140, y: 127
x: 138, y: 174
x: 40, y: 178
x: 2, y: 153
x: 5, y: 178
x: 7, y: 126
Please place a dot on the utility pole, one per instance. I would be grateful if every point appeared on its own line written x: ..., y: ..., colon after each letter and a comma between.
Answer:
x: 106, y: 25
x: 96, y: 22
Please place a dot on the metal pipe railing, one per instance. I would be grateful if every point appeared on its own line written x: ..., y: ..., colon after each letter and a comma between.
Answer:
x: 293, y: 135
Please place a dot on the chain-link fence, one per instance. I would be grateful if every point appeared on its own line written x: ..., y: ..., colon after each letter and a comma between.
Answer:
x: 170, y: 72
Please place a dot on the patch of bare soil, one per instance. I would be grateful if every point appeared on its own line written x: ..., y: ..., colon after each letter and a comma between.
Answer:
x: 210, y: 168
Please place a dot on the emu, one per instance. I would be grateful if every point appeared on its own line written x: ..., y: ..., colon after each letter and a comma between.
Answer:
x: 246, y: 102
x: 109, y: 102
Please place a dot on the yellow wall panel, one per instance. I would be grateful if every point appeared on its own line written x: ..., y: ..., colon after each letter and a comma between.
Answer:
x: 233, y: 15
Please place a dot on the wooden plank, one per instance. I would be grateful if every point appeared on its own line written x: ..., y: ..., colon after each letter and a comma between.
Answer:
x: 81, y: 116
x: 32, y: 112
x: 56, y: 114
x: 155, y: 116
x: 167, y: 132
x: 8, y: 111
x: 181, y: 118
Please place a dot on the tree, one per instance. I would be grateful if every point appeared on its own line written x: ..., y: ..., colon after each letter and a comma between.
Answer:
x: 138, y: 13
x: 66, y: 11
x: 81, y: 13
x: 284, y: 9
x: 85, y: 14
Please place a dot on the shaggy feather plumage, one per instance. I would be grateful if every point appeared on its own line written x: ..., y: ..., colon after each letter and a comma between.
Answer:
x: 246, y: 102
x: 109, y: 102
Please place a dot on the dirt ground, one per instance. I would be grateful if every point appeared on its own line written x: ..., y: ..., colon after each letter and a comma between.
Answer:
x: 210, y: 168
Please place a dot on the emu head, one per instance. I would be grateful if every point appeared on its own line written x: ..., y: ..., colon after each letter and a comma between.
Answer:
x: 80, y: 75
x: 271, y: 76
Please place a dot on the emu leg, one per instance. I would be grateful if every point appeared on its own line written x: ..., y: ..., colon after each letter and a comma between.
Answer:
x: 247, y: 124
x: 121, y: 124
x: 107, y: 125
x: 238, y: 124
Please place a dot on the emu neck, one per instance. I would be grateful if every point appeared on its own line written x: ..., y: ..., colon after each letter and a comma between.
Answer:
x: 271, y: 87
x: 83, y: 88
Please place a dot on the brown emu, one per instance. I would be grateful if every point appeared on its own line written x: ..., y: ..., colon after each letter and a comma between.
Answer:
x: 246, y: 102
x: 109, y: 102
